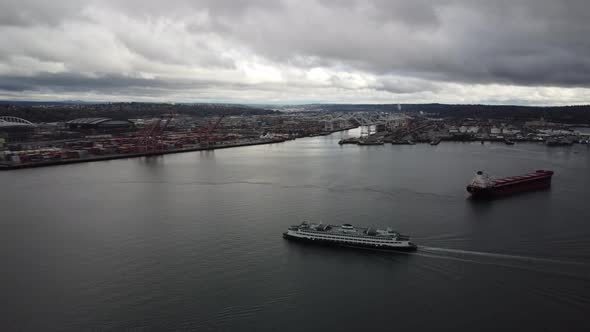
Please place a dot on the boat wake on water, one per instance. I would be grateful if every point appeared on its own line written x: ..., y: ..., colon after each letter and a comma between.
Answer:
x: 547, y: 266
x: 502, y: 256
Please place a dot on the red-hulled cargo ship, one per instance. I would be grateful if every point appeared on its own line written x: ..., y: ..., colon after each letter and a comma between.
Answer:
x: 484, y: 186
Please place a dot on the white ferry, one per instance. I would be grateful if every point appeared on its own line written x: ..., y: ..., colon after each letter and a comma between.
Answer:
x: 347, y: 235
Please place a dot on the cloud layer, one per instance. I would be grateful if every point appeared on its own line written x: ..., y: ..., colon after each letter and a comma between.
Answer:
x: 382, y: 51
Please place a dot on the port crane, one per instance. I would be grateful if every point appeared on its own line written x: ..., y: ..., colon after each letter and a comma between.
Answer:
x: 393, y: 121
x: 151, y: 133
x: 369, y: 122
x: 335, y: 122
x: 204, y: 135
x: 368, y: 126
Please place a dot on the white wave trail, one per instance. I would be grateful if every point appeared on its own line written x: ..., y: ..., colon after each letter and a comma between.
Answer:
x: 503, y: 256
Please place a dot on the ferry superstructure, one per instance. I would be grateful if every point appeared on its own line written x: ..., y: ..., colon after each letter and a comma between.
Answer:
x: 347, y: 235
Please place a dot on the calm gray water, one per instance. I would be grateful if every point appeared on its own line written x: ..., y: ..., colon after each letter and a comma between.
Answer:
x: 193, y: 241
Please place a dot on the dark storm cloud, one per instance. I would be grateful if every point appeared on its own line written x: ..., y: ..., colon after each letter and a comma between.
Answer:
x: 71, y: 82
x: 394, y: 46
x: 107, y: 83
x: 533, y: 42
x: 115, y: 84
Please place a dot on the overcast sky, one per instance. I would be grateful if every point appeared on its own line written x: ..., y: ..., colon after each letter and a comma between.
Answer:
x: 297, y: 51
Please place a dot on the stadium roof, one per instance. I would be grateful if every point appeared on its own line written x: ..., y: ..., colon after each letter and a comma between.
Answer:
x: 13, y: 121
x: 88, y: 121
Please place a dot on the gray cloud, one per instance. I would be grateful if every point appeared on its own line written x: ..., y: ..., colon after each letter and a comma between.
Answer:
x: 107, y: 84
x: 76, y: 82
x: 116, y: 84
x: 420, y: 48
x: 521, y: 42
x: 35, y: 12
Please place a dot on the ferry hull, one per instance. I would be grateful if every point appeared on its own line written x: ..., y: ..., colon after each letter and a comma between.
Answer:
x: 347, y: 245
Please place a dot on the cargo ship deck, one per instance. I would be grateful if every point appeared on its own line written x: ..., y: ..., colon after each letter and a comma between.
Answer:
x: 484, y: 186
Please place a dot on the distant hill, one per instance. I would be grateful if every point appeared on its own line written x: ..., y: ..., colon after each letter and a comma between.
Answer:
x: 45, y: 103
x: 565, y: 114
x: 64, y: 111
x: 67, y: 110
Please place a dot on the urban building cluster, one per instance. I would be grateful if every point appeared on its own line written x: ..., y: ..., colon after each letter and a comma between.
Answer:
x: 24, y: 143
x: 423, y: 128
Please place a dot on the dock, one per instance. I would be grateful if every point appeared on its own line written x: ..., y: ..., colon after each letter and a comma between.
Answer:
x: 13, y: 166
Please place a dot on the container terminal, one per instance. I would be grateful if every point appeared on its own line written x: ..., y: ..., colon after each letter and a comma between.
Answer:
x: 26, y: 144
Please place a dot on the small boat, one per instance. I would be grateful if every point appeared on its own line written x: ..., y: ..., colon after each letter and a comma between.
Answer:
x: 370, y: 141
x: 561, y: 141
x: 435, y: 141
x: 403, y: 142
x: 508, y: 142
x: 352, y: 140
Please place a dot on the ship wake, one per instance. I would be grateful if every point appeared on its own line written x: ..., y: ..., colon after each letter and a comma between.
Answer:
x: 547, y: 266
x: 502, y: 256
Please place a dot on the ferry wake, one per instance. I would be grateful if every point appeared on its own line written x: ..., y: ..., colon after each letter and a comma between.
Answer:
x: 347, y: 235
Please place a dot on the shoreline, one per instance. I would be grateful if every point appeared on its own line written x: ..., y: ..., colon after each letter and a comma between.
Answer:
x: 48, y: 163
x: 7, y: 167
